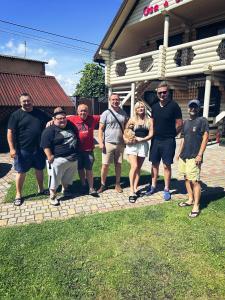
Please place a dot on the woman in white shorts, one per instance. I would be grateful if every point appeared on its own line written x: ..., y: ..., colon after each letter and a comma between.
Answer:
x: 138, y: 149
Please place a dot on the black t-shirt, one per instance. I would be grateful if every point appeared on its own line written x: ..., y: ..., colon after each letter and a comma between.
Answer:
x: 27, y: 128
x: 63, y: 142
x: 193, y: 131
x: 165, y: 119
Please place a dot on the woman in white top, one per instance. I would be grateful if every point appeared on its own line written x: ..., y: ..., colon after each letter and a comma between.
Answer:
x: 138, y: 148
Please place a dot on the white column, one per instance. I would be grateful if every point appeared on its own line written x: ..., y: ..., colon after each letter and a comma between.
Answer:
x: 109, y: 95
x: 208, y: 84
x: 132, y: 99
x: 166, y: 31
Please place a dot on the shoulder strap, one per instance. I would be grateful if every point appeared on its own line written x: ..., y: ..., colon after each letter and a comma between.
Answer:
x: 121, y: 127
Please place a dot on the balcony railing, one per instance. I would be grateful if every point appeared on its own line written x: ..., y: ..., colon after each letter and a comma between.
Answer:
x: 135, y: 68
x: 196, y: 57
x: 186, y: 59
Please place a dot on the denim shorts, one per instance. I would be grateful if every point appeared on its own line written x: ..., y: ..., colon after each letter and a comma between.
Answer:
x: 26, y: 160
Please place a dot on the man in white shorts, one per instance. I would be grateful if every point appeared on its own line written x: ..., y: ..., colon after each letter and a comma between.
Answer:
x: 59, y: 142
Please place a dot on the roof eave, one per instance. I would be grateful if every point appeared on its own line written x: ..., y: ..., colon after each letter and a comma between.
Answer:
x: 121, y: 14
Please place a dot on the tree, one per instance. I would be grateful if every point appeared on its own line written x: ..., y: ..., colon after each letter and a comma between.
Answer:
x: 92, y: 82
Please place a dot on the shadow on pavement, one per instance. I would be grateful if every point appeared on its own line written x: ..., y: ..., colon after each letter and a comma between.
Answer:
x: 4, y: 169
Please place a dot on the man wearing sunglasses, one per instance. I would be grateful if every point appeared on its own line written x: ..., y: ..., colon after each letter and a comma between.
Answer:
x: 195, y: 138
x: 167, y: 120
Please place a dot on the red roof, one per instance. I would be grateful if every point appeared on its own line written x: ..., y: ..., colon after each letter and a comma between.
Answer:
x: 44, y: 90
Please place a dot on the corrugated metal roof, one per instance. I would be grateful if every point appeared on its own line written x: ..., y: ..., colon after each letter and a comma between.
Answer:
x: 23, y: 58
x: 44, y: 90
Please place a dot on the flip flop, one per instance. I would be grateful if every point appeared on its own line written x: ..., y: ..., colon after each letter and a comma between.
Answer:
x: 18, y: 201
x: 184, y: 204
x: 133, y: 198
x: 194, y: 214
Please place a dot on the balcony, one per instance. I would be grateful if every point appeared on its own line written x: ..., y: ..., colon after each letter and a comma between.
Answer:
x: 135, y: 68
x: 191, y: 58
x: 196, y: 57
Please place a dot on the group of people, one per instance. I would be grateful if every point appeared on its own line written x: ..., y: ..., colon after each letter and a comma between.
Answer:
x: 66, y: 143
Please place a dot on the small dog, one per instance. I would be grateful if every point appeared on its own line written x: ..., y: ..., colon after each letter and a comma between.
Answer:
x: 129, y: 135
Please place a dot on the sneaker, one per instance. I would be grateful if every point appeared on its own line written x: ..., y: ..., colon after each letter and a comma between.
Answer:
x: 93, y: 192
x: 166, y: 195
x: 53, y: 200
x: 101, y: 189
x: 150, y: 191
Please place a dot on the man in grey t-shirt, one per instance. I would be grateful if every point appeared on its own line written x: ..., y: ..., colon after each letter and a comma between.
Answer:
x: 112, y: 123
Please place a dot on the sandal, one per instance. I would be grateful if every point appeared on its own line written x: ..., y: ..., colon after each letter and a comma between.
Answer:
x: 18, y: 201
x: 133, y: 198
x: 184, y: 204
x: 194, y: 214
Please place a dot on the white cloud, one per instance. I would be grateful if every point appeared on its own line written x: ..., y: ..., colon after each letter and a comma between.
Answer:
x: 20, y: 49
x: 41, y: 52
x: 52, y: 62
x: 9, y: 44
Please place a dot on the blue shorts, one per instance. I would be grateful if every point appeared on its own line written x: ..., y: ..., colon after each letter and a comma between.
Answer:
x: 86, y: 160
x: 26, y: 160
x: 162, y: 149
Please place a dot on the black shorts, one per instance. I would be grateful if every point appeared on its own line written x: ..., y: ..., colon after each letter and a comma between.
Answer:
x: 162, y: 149
x: 86, y: 160
x: 26, y: 160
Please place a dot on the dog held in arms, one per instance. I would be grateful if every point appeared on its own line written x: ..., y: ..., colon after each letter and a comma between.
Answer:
x: 129, y: 135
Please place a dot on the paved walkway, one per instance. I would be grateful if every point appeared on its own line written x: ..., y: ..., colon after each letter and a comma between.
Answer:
x: 39, y: 211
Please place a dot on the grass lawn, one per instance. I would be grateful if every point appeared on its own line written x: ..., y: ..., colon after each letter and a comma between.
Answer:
x: 30, y: 185
x: 146, y: 253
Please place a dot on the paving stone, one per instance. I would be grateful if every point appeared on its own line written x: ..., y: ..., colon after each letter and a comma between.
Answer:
x: 40, y: 210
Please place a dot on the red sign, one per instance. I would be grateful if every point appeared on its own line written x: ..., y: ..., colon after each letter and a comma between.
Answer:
x: 148, y: 10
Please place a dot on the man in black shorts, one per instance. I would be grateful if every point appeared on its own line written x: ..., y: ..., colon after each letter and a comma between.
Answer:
x: 167, y: 119
x: 24, y: 133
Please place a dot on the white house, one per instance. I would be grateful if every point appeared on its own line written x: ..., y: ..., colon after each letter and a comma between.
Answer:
x: 181, y: 41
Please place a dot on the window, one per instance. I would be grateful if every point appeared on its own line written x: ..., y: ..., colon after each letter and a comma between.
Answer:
x: 173, y: 40
x: 210, y: 30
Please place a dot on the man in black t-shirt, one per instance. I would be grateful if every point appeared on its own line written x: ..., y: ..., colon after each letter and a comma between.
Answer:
x: 167, y: 120
x: 195, y: 133
x: 60, y: 144
x: 24, y: 133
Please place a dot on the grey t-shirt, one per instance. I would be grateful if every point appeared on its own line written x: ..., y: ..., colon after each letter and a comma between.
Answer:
x: 113, y: 133
x: 193, y: 131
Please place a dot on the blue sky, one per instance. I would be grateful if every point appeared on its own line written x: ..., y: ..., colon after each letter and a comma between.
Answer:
x: 84, y: 20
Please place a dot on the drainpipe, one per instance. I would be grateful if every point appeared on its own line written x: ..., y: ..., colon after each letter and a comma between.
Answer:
x: 166, y: 31
x: 132, y: 99
x: 208, y: 84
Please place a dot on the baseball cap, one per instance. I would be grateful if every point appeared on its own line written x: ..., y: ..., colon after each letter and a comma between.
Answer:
x: 194, y: 101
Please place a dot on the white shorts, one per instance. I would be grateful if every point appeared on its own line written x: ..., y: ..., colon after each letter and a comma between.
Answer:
x: 139, y: 149
x: 61, y: 171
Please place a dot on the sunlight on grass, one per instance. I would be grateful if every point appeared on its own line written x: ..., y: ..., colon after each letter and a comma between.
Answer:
x: 30, y: 185
x: 149, y: 253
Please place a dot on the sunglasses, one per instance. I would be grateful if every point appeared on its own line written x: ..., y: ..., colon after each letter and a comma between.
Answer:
x: 164, y: 93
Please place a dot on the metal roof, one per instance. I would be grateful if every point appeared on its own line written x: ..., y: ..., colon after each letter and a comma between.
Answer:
x: 23, y: 58
x: 44, y: 90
